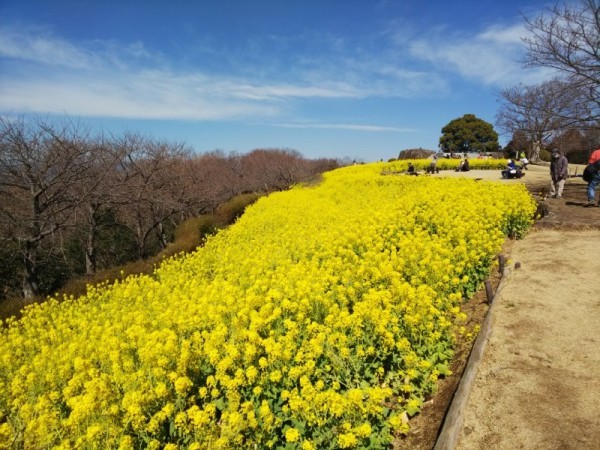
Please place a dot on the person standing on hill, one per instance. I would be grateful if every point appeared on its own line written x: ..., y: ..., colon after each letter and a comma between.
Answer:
x: 559, y: 170
x: 594, y: 177
x: 433, y: 165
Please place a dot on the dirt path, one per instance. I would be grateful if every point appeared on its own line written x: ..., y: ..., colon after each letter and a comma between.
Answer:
x: 537, y: 386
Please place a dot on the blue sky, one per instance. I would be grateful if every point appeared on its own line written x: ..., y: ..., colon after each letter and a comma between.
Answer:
x: 362, y: 79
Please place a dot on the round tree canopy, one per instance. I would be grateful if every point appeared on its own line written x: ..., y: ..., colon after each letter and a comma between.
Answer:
x: 469, y: 134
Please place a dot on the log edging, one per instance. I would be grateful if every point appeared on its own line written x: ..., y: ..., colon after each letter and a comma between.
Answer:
x: 454, y: 418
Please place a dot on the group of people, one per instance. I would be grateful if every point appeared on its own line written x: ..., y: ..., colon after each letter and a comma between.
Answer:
x: 559, y: 173
x: 432, y: 168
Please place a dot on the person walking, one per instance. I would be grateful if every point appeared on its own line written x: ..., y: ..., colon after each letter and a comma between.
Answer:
x: 559, y: 170
x: 594, y: 179
x: 524, y: 161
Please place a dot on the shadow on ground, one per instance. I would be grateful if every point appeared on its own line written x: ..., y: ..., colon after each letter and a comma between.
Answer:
x: 570, y: 211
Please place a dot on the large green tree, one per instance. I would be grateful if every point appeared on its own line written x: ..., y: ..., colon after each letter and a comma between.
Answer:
x: 469, y: 134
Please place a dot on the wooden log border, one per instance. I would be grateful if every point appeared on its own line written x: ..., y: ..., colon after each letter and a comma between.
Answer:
x: 454, y: 418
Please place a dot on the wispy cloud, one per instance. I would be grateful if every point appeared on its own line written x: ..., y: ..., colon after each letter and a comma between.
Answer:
x: 100, y: 80
x: 491, y: 57
x: 41, y: 46
x: 504, y: 35
x: 142, y: 95
x: 38, y: 45
x: 46, y: 73
x: 273, y: 91
x: 42, y: 72
x: 354, y: 127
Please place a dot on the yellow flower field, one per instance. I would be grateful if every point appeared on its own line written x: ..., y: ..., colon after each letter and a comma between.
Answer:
x: 445, y: 164
x: 319, y: 320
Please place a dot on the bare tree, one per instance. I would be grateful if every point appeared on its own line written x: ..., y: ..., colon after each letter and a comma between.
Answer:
x: 217, y: 177
x: 540, y: 112
x: 220, y: 177
x: 567, y: 39
x: 591, y: 137
x: 102, y: 200
x: 41, y: 166
x: 69, y: 195
x: 276, y: 169
x: 318, y: 166
x: 151, y: 188
x: 570, y: 141
x: 227, y: 174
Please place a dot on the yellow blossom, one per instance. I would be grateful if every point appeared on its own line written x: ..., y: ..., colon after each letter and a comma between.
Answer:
x: 292, y: 435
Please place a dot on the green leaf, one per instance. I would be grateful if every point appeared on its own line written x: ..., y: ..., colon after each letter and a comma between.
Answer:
x: 299, y: 425
x: 220, y: 403
x: 443, y: 369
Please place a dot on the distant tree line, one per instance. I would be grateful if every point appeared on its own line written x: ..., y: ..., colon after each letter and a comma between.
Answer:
x: 72, y: 203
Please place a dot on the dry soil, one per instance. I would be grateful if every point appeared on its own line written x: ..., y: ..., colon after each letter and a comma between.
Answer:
x: 537, y: 386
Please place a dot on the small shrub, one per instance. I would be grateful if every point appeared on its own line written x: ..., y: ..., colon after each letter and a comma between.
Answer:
x: 229, y: 212
x: 545, y: 155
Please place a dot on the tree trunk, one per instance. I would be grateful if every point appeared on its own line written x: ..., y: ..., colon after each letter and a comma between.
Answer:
x: 30, y: 278
x: 161, y: 235
x: 90, y: 254
x: 535, y: 151
x: 141, y: 239
x: 90, y: 244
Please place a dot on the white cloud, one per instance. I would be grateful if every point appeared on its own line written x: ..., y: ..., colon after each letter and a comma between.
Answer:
x: 244, y: 90
x: 490, y: 57
x: 354, y: 127
x: 155, y: 94
x: 512, y: 34
x: 104, y: 78
x: 102, y: 82
x: 144, y: 96
x: 39, y: 46
x: 412, y: 83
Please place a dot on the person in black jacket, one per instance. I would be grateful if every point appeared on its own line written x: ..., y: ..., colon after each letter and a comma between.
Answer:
x: 559, y: 171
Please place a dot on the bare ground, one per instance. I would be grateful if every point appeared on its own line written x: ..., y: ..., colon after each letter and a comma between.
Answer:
x: 537, y: 386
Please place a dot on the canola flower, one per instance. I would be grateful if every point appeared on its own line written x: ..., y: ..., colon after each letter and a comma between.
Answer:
x: 319, y: 320
x: 401, y: 165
